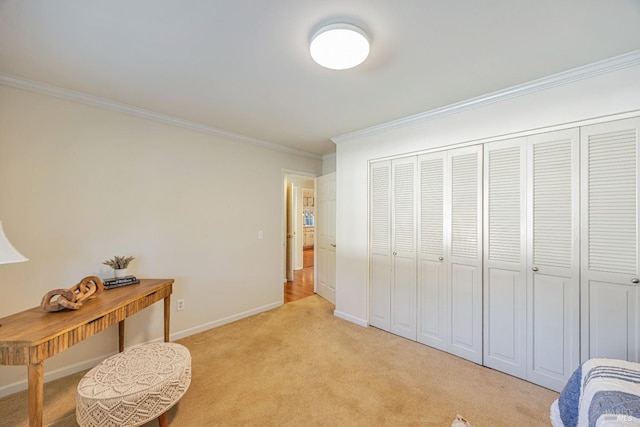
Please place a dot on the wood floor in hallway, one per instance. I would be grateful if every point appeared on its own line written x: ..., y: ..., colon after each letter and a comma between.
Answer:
x: 302, y: 284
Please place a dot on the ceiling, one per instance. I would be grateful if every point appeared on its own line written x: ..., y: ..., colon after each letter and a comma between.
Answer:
x: 243, y: 66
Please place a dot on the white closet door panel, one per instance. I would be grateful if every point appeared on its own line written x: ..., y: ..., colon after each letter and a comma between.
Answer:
x: 380, y: 245
x: 462, y: 281
x: 431, y: 205
x: 548, y: 313
x: 404, y: 207
x: 466, y: 194
x: 550, y: 184
x: 466, y: 312
x: 380, y: 208
x: 433, y: 326
x: 505, y: 305
x: 504, y: 326
x: 403, y: 298
x: 553, y: 258
x: 613, y: 321
x: 554, y: 348
x: 464, y: 252
x: 504, y: 201
x: 610, y: 239
x: 403, y: 243
x: 379, y: 282
x: 612, y: 204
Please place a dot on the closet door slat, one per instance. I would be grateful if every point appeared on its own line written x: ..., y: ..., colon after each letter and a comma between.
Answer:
x: 380, y: 245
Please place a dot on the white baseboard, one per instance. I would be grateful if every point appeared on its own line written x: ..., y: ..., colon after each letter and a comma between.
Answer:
x: 87, y: 364
x: 54, y: 375
x: 224, y: 321
x: 350, y: 318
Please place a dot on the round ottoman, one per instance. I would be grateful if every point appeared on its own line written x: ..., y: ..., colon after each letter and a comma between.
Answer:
x: 134, y: 387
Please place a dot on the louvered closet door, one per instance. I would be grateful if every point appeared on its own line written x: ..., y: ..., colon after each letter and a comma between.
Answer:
x: 463, y: 252
x: 504, y: 257
x: 553, y: 258
x: 433, y: 288
x: 609, y: 238
x: 380, y: 245
x: 403, y: 244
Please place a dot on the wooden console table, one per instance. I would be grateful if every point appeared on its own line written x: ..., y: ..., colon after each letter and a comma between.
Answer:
x: 32, y: 336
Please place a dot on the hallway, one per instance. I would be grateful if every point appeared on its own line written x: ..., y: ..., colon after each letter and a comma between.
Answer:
x: 302, y: 284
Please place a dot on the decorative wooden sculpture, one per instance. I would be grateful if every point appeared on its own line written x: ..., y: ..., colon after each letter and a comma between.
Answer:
x: 72, y: 298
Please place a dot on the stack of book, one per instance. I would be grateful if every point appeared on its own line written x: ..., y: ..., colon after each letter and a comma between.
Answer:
x: 122, y: 281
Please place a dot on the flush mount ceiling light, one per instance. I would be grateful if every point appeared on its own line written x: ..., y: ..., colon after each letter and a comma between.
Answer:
x: 339, y: 46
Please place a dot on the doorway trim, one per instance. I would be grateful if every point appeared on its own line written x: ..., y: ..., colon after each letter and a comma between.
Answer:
x: 283, y: 217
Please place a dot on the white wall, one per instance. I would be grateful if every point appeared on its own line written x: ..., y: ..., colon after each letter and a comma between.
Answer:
x: 328, y: 163
x: 300, y: 181
x: 79, y: 184
x: 616, y: 92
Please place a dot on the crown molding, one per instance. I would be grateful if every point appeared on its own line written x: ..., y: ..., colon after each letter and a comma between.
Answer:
x: 108, y: 104
x: 605, y: 66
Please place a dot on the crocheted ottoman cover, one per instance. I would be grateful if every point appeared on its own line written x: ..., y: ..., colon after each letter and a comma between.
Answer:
x: 133, y: 387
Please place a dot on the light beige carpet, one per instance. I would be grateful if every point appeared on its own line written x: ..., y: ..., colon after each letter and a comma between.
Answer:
x: 298, y: 365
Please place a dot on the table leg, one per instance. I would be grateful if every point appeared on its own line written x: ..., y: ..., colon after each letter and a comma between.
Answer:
x: 121, y: 336
x: 167, y: 316
x: 36, y: 393
x: 163, y: 420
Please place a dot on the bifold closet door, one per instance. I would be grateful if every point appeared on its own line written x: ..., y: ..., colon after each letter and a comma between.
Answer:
x: 531, y: 294
x: 380, y: 245
x: 464, y: 251
x: 505, y: 303
x: 449, y: 251
x: 553, y: 261
x: 392, y: 246
x: 434, y: 325
x: 610, y: 255
x: 403, y: 247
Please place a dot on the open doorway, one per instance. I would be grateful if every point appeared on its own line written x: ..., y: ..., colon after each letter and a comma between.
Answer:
x: 299, y: 228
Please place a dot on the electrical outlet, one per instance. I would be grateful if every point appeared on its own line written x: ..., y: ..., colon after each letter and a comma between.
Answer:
x: 180, y: 305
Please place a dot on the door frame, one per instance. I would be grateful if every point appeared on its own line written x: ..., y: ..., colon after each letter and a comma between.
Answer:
x: 283, y: 218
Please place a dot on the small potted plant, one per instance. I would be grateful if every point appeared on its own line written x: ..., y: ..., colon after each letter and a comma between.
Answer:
x: 119, y: 265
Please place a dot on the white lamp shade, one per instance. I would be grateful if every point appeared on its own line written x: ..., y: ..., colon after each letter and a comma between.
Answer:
x: 339, y: 46
x: 8, y: 253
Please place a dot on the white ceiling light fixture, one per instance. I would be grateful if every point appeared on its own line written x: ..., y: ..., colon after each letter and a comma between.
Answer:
x: 339, y: 46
